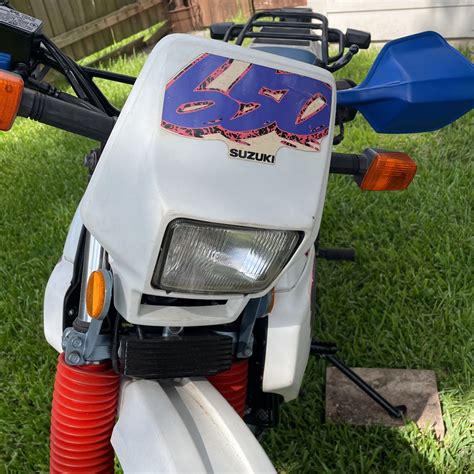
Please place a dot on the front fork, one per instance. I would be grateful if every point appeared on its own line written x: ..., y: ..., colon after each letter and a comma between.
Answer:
x: 86, y: 389
x: 83, y: 343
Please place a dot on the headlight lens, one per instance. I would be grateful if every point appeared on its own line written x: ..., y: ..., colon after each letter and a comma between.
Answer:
x: 214, y: 259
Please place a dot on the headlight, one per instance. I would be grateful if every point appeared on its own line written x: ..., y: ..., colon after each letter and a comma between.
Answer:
x: 209, y: 258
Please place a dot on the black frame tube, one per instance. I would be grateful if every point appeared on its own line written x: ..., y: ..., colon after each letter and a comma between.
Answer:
x: 230, y: 34
x: 109, y: 76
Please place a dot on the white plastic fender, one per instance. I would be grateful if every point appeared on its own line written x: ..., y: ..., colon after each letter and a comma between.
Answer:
x: 58, y: 285
x: 183, y: 426
x: 53, y: 306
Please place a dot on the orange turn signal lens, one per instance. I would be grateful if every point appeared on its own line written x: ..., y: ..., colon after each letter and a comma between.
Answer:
x: 95, y: 294
x: 389, y: 171
x: 271, y: 302
x: 11, y: 90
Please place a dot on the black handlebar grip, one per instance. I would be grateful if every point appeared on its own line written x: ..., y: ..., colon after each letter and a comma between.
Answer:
x: 66, y: 116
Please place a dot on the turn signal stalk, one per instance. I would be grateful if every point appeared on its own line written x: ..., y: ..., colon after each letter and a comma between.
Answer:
x: 388, y: 171
x: 11, y: 90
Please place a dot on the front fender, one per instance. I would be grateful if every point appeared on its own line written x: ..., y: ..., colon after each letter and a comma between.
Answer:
x: 179, y: 426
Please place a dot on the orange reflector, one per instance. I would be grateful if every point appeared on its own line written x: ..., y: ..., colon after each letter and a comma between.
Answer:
x: 95, y: 294
x: 11, y: 90
x: 389, y: 171
x: 271, y: 303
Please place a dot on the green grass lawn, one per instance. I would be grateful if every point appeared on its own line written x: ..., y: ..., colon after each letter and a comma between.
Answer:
x: 406, y: 303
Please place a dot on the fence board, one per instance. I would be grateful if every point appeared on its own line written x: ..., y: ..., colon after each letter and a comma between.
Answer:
x: 133, y: 46
x: 270, y: 4
x: 127, y: 28
x: 139, y: 21
x: 83, y: 27
x: 56, y: 18
x: 100, y: 24
x: 87, y: 44
x: 98, y: 9
x: 38, y: 10
x: 67, y: 13
x: 216, y: 11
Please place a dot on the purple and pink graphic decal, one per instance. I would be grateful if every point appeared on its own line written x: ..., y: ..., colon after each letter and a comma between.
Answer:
x: 247, y: 105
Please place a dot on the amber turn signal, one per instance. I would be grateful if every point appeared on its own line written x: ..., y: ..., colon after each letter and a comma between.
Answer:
x: 96, y: 294
x: 389, y: 171
x: 271, y: 302
x: 11, y: 90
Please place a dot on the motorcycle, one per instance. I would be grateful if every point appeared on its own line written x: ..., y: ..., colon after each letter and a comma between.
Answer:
x: 183, y: 302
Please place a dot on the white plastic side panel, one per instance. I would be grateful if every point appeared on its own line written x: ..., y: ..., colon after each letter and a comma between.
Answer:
x: 183, y: 426
x: 289, y: 335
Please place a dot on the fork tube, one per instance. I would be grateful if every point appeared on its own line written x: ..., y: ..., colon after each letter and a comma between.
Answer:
x: 94, y: 258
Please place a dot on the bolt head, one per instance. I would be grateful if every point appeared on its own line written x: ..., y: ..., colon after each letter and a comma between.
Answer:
x: 74, y: 358
x: 76, y: 342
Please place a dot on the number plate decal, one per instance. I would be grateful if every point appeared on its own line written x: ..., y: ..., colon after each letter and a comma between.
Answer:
x: 254, y: 109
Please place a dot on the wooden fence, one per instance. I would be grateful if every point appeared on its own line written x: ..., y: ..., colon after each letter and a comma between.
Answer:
x: 269, y: 4
x: 83, y: 27
x: 216, y: 11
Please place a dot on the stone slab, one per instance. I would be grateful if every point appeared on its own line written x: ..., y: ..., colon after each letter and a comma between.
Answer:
x: 416, y: 389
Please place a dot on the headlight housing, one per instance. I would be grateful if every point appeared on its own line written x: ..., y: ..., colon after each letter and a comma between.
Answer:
x: 199, y: 257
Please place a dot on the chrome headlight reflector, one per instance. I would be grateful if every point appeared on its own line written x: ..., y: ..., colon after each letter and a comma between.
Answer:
x: 198, y: 257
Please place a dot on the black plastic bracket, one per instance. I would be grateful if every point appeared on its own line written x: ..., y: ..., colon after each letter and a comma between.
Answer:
x: 328, y: 351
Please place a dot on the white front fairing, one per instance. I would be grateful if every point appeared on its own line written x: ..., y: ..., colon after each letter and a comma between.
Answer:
x: 183, y: 426
x: 148, y: 176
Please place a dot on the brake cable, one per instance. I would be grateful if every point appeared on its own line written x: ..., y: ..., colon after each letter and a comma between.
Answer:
x: 70, y: 76
x: 83, y: 86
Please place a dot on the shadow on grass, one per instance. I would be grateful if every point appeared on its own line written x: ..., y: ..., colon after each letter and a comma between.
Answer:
x: 367, y: 450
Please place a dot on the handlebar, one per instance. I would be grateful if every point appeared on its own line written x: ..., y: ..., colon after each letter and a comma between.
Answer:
x: 98, y: 126
x: 66, y: 116
x: 349, y: 163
